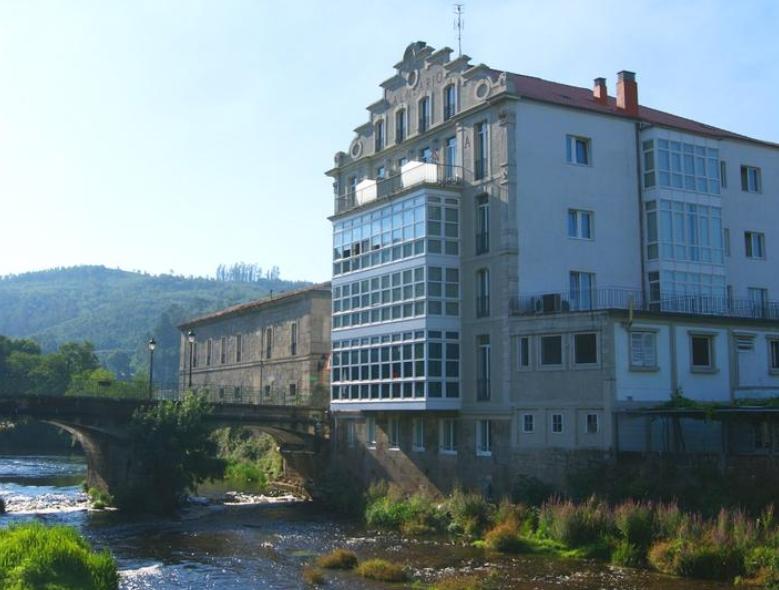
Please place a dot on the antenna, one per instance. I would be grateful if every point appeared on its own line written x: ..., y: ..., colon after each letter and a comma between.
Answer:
x: 459, y: 25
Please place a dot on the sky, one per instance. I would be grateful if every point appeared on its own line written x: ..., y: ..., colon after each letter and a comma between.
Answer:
x: 178, y: 135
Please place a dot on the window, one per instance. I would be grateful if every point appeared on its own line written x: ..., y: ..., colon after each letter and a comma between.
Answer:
x: 557, y: 423
x: 293, y: 389
x: 751, y: 181
x: 293, y: 339
x: 585, y: 349
x: 582, y: 290
x: 402, y: 162
x: 393, y: 434
x: 483, y: 353
x: 350, y: 438
x: 759, y: 299
x: 450, y: 101
x: 643, y: 350
x: 723, y: 174
x: 370, y: 435
x: 551, y: 351
x: 223, y: 350
x: 482, y: 293
x: 424, y: 114
x: 268, y: 342
x: 480, y: 150
x: 484, y: 437
x: 592, y: 424
x: 448, y: 440
x: 209, y: 346
x: 400, y: 125
x: 579, y: 224
x: 426, y: 155
x: 528, y: 423
x: 267, y: 391
x: 754, y: 243
x: 482, y: 224
x: 773, y: 354
x: 578, y: 150
x: 378, y: 135
x: 682, y: 166
x: 419, y: 434
x: 726, y: 234
x: 381, y: 173
x: 450, y: 158
x: 702, y: 353
x: 238, y: 348
x: 685, y: 232
x: 524, y: 352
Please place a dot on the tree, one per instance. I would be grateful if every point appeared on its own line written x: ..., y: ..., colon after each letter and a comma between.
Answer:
x: 173, y: 449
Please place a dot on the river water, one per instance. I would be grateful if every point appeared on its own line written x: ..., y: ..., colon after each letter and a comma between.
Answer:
x: 266, y: 545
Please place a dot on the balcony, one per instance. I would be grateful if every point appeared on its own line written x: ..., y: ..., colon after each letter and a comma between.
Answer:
x: 623, y: 298
x: 411, y: 175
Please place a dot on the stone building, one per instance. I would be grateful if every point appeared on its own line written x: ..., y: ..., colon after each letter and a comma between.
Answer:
x: 519, y: 265
x: 273, y: 350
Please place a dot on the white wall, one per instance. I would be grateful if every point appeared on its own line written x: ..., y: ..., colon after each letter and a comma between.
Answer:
x: 649, y: 385
x: 548, y: 186
x: 754, y: 378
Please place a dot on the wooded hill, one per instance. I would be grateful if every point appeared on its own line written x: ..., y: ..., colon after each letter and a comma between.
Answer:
x: 118, y: 311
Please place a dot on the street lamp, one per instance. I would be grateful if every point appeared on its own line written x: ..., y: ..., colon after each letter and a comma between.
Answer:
x: 191, y: 340
x: 152, y: 346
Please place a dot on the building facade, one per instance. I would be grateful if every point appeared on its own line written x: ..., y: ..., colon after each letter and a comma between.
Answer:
x: 273, y: 350
x: 519, y: 264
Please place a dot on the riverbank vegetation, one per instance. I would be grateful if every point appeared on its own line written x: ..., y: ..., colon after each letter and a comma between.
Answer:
x: 33, y: 556
x: 253, y: 461
x: 730, y: 547
x: 173, y: 451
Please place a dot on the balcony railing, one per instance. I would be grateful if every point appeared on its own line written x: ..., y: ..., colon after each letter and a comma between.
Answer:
x: 622, y: 298
x: 411, y: 174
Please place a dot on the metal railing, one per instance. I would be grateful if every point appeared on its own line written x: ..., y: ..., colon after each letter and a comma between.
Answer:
x: 412, y: 174
x: 238, y: 394
x: 624, y: 298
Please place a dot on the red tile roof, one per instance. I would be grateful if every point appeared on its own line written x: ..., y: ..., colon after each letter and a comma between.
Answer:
x: 252, y: 305
x: 581, y: 98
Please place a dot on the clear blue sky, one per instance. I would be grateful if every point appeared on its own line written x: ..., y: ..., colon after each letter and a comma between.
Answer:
x: 178, y: 135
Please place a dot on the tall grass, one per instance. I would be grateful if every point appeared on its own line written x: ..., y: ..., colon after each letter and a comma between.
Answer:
x: 33, y: 556
x: 632, y: 533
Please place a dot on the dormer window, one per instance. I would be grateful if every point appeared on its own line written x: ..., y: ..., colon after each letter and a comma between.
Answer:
x: 378, y: 135
x: 450, y: 101
x: 400, y: 126
x: 424, y: 114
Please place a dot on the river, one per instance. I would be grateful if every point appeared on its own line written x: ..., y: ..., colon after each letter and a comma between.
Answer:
x: 266, y: 545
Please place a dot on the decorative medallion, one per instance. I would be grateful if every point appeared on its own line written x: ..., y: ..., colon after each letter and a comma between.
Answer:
x: 356, y: 150
x: 482, y: 89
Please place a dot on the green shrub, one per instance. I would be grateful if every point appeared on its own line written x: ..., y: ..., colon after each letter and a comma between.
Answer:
x: 33, y: 557
x: 697, y: 559
x: 469, y: 513
x: 339, y: 559
x: 381, y: 570
x: 99, y: 498
x: 575, y: 525
x: 249, y: 477
x: 505, y: 539
x: 469, y: 582
x: 762, y: 566
x: 313, y: 577
x: 628, y: 555
x: 635, y: 523
x: 415, y: 515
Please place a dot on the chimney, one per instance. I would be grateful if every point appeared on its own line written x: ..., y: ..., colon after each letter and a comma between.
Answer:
x: 627, y: 93
x: 599, y: 92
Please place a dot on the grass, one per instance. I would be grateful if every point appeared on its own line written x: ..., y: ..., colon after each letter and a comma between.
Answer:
x: 99, y: 499
x: 313, y: 577
x: 730, y: 547
x: 33, y: 557
x: 246, y: 476
x: 339, y: 559
x: 467, y: 582
x: 381, y: 570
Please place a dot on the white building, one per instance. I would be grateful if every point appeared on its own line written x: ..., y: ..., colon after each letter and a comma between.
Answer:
x: 519, y: 262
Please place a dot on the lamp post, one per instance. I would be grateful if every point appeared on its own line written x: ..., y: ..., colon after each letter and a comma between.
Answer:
x: 152, y: 346
x: 191, y: 340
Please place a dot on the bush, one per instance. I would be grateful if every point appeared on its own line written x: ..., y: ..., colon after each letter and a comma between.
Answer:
x: 381, y: 570
x: 313, y: 577
x: 339, y: 559
x: 34, y: 556
x: 100, y: 499
x: 249, y: 477
x: 762, y: 566
x: 635, y: 523
x: 696, y: 559
x: 469, y: 512
x: 505, y: 539
x: 412, y: 516
x: 575, y: 525
x: 628, y: 555
x: 473, y: 582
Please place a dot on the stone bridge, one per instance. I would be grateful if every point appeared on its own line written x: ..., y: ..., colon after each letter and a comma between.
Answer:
x: 100, y: 425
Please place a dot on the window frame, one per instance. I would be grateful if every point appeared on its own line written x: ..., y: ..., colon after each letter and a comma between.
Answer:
x: 527, y: 347
x: 417, y: 426
x: 589, y: 415
x: 444, y: 425
x: 752, y: 239
x: 482, y: 225
x: 552, y: 417
x: 484, y: 451
x: 379, y: 135
x: 746, y: 179
x: 524, y: 416
x: 268, y: 348
x: 401, y: 124
x: 773, y: 354
x: 710, y: 337
x: 483, y: 367
x: 449, y: 106
x: 572, y: 153
x: 238, y: 347
x: 549, y: 366
x: 393, y: 434
x: 483, y: 293
x: 424, y: 115
x: 578, y: 215
x: 593, y: 365
x: 370, y: 432
x: 293, y: 339
x: 351, y: 434
x: 643, y: 367
x: 481, y: 143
